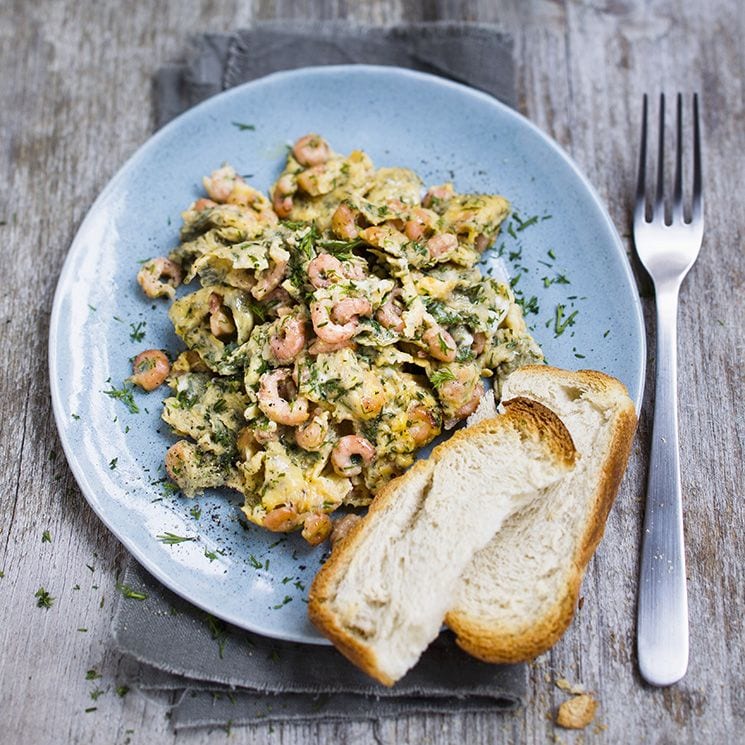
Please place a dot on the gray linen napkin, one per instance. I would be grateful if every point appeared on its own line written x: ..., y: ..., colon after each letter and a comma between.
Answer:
x: 221, y: 675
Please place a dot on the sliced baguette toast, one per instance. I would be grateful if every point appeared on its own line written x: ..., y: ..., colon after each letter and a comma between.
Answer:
x: 518, y: 595
x: 382, y: 595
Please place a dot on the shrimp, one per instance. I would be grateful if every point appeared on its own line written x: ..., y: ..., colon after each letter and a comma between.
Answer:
x: 420, y: 221
x: 436, y: 195
x: 311, y: 150
x: 461, y: 395
x: 219, y: 185
x: 479, y: 343
x: 203, y: 204
x: 390, y: 313
x: 282, y: 195
x: 312, y: 434
x: 440, y: 343
x: 149, y: 369
x: 221, y: 323
x: 324, y: 270
x: 270, y: 279
x: 263, y: 434
x: 278, y: 302
x: 348, y: 309
x: 344, y: 222
x: 319, y: 346
x: 468, y: 407
x: 289, y: 340
x: 277, y: 408
x: 152, y: 274
x: 317, y: 528
x: 177, y: 459
x: 422, y: 425
x: 342, y: 527
x: 327, y: 330
x: 282, y: 519
x: 349, y: 453
x: 366, y: 400
x: 441, y: 245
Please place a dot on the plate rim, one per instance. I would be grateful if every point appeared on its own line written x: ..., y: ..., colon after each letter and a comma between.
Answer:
x: 86, y: 488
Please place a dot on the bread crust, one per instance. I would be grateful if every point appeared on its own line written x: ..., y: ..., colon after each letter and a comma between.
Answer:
x: 529, y: 418
x: 500, y: 645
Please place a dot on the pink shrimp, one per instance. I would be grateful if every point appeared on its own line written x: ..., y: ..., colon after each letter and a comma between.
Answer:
x: 319, y: 346
x: 389, y: 314
x: 342, y: 528
x: 311, y: 150
x: 325, y: 270
x: 153, y: 273
x: 436, y: 195
x: 277, y: 408
x: 269, y: 279
x: 479, y: 343
x: 221, y: 323
x: 288, y: 341
x: 317, y: 528
x: 203, y: 204
x: 344, y: 222
x: 421, y: 425
x: 312, y: 434
x: 349, y: 453
x: 282, y: 195
x: 149, y: 369
x: 440, y: 343
x: 221, y: 183
x: 441, y: 245
x: 282, y: 519
x: 334, y: 324
x: 468, y: 407
x: 350, y: 308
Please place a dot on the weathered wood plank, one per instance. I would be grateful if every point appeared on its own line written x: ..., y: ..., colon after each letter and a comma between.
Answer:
x: 74, y: 103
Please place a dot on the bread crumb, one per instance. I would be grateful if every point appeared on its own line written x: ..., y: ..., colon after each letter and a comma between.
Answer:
x: 568, y: 687
x: 581, y: 603
x: 578, y: 712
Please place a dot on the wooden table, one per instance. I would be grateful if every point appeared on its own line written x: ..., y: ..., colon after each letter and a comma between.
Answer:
x: 75, y: 103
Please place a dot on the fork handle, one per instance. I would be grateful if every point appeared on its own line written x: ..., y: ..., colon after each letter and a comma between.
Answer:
x: 662, y: 623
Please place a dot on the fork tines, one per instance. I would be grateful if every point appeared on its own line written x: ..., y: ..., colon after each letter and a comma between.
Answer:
x: 670, y: 208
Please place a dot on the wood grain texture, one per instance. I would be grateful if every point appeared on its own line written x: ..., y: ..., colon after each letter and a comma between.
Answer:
x: 74, y: 104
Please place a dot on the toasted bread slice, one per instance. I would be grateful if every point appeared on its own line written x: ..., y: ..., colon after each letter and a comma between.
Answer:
x: 382, y: 595
x: 518, y: 595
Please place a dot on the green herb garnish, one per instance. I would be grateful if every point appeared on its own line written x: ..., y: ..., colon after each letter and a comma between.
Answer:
x: 43, y: 598
x: 443, y: 375
x: 130, y: 593
x: 124, y: 394
x: 285, y: 600
x: 560, y: 322
x: 171, y: 539
x: 138, y: 331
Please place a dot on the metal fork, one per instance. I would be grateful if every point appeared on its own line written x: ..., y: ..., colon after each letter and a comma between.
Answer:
x: 667, y: 244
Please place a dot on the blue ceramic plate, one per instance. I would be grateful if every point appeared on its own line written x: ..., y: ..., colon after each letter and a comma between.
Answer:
x: 100, y: 320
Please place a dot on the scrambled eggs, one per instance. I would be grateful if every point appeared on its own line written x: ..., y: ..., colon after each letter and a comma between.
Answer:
x: 341, y: 325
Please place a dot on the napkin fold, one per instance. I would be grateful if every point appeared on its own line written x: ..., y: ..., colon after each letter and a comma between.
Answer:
x: 479, y: 55
x: 223, y: 674
x: 219, y: 675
